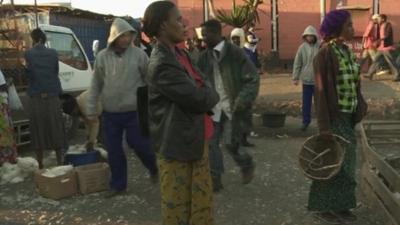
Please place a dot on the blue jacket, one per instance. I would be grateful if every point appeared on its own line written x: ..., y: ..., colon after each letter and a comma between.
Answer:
x: 42, y: 71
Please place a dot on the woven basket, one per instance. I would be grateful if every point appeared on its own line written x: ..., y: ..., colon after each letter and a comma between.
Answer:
x: 319, y: 161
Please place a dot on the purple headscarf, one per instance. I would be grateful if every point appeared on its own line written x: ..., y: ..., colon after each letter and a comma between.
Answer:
x: 333, y: 23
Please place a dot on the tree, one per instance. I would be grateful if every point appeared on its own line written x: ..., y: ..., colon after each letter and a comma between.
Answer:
x: 241, y: 15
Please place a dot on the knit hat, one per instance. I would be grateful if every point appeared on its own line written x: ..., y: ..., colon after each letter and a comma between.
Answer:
x: 333, y: 23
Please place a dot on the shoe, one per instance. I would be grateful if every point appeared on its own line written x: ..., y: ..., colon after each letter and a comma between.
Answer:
x: 154, y: 178
x: 304, y: 127
x: 368, y: 77
x: 245, y: 143
x: 113, y: 193
x: 217, y: 184
x: 328, y: 217
x: 382, y: 72
x: 346, y: 216
x: 248, y: 174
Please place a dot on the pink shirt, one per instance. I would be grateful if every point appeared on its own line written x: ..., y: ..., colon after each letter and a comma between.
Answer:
x: 370, y: 35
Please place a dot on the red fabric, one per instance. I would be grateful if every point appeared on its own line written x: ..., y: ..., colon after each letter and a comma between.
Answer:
x: 370, y: 35
x: 183, y: 59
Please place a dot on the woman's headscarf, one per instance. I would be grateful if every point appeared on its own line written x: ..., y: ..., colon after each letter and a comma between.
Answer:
x: 333, y: 23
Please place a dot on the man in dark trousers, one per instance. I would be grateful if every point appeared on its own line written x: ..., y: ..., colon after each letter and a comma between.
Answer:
x: 236, y: 81
x: 119, y: 71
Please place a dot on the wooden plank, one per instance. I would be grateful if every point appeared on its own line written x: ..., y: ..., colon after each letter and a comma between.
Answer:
x: 384, y: 142
x: 386, y: 170
x: 379, y: 163
x: 375, y: 202
x: 391, y: 204
x: 381, y: 122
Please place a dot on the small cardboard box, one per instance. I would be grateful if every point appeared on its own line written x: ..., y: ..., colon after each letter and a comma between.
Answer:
x: 93, y: 177
x: 56, y: 187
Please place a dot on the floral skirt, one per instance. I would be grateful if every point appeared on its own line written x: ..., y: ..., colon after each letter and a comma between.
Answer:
x: 186, y: 191
x: 8, y: 148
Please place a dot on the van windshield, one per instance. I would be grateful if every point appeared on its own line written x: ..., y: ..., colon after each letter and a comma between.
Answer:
x: 68, y: 49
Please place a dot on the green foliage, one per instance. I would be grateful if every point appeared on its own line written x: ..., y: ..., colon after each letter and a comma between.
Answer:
x: 240, y: 15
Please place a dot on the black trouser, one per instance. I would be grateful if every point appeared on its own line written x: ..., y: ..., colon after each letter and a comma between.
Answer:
x: 226, y: 130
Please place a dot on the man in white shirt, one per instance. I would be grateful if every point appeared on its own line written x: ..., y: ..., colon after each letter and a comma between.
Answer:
x: 236, y: 81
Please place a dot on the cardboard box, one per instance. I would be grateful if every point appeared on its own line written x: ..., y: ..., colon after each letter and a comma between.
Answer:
x: 56, y: 187
x: 93, y: 177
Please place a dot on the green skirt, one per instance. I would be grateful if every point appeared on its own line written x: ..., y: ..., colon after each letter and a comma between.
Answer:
x: 338, y: 193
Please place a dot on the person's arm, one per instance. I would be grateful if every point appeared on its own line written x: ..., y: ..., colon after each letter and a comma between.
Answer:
x: 297, y: 66
x: 28, y: 69
x: 321, y: 103
x: 175, y: 84
x: 95, y: 89
x: 250, y: 81
x: 143, y: 63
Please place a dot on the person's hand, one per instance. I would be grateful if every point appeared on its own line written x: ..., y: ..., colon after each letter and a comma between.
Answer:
x: 92, y: 118
x: 326, y: 135
x: 296, y: 82
x: 89, y: 147
x: 239, y: 105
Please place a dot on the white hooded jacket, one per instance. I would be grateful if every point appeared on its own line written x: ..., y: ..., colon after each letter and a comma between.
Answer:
x: 117, y: 77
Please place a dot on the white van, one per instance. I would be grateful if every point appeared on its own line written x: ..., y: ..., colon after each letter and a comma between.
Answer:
x: 74, y: 70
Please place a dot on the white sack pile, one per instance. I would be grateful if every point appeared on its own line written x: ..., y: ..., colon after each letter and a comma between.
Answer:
x: 15, y: 173
x: 57, y: 171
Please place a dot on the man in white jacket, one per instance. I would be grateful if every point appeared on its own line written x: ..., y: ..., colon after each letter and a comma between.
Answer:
x: 303, y: 70
x: 118, y: 71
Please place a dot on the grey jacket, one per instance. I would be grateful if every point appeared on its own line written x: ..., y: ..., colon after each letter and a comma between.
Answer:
x: 303, y: 63
x: 117, y: 77
x: 177, y: 107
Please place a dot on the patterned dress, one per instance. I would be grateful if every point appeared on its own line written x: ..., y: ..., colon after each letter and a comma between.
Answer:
x: 8, y: 149
x: 186, y: 191
x: 338, y: 193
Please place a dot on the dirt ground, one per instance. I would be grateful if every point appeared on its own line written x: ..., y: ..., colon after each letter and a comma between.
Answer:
x: 277, y: 195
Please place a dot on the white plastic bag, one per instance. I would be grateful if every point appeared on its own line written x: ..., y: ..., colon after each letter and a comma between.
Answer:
x: 13, y: 99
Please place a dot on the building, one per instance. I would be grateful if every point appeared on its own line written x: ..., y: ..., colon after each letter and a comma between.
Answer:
x: 292, y: 16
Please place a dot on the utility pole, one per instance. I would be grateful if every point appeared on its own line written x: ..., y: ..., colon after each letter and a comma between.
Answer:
x: 375, y: 8
x: 36, y: 15
x: 322, y: 9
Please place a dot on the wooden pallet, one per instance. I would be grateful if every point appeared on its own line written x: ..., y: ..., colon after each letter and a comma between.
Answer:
x: 380, y: 181
x: 380, y: 196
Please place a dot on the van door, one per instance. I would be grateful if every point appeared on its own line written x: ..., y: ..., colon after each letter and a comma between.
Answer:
x: 75, y: 71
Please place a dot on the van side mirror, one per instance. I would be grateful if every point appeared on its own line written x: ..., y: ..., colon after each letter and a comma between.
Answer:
x: 95, y: 47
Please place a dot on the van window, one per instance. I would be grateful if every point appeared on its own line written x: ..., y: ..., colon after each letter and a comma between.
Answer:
x: 68, y: 49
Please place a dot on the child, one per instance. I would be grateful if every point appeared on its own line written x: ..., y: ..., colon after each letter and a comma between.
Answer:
x: 303, y: 69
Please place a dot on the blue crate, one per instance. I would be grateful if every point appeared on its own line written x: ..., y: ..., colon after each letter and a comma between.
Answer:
x: 82, y: 159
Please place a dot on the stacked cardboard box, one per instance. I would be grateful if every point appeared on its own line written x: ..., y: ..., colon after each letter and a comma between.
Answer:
x: 82, y: 179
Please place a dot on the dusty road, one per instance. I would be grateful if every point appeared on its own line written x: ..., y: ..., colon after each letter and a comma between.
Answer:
x: 277, y: 196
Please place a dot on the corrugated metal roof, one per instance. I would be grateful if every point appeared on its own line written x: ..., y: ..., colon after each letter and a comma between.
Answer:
x: 56, y: 9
